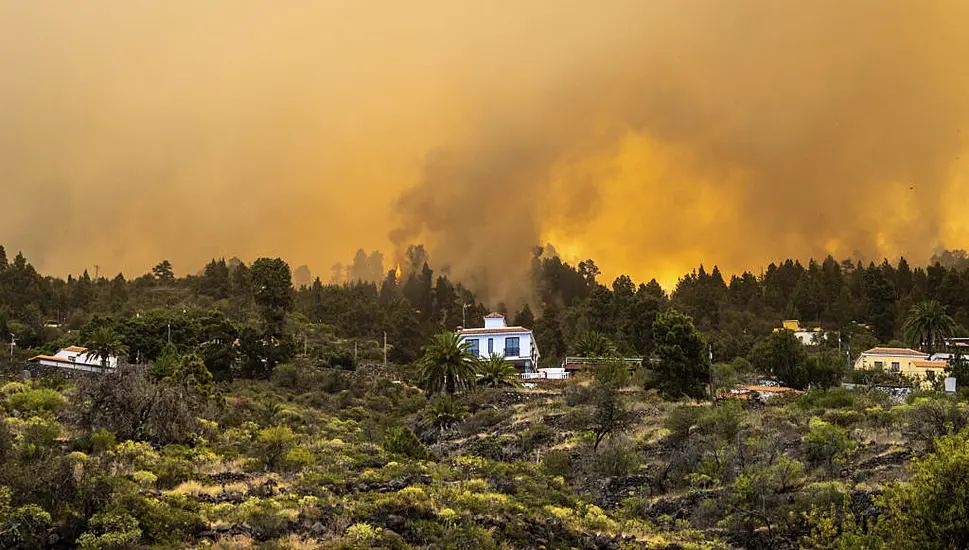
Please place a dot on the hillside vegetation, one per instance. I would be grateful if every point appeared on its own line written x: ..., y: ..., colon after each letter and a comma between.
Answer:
x: 252, y: 414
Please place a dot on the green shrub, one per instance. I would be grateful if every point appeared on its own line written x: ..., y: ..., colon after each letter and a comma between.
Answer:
x: 297, y: 458
x: 616, y: 458
x: 401, y: 440
x: 721, y: 421
x: 928, y: 418
x: 103, y: 440
x: 826, y: 442
x: 23, y: 527
x: 930, y: 510
x: 443, y: 412
x: 36, y: 402
x: 535, y: 435
x: 273, y: 443
x: 843, y: 418
x: 487, y: 447
x: 837, y: 398
x: 110, y: 529
x: 485, y: 418
x: 679, y: 422
x: 286, y: 376
x: 170, y: 521
x: 557, y: 462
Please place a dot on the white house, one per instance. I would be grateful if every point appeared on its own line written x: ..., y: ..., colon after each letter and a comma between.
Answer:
x: 76, y: 358
x: 516, y: 344
x: 807, y: 336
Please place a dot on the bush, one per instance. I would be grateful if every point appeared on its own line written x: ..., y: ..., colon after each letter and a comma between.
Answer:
x: 272, y: 444
x: 485, y: 418
x: 286, y: 376
x: 110, y: 529
x: 297, y: 459
x: 402, y: 441
x: 443, y: 412
x: 680, y: 421
x: 838, y: 398
x: 103, y: 440
x: 722, y: 421
x: 557, y: 462
x: 826, y: 442
x: 616, y: 458
x: 36, y: 402
x: 929, y: 418
x: 536, y: 435
x: 930, y: 510
x: 487, y: 447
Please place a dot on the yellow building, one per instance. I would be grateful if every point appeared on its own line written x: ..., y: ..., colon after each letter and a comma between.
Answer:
x: 909, y: 362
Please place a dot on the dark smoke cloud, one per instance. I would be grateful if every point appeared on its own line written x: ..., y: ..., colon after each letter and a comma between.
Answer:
x: 650, y: 135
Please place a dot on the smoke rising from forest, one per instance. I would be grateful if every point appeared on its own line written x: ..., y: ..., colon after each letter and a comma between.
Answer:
x: 648, y: 135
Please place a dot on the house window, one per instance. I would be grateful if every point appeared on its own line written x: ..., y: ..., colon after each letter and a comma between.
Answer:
x: 491, y: 346
x: 474, y: 346
x: 896, y: 367
x: 879, y: 365
x: 512, y: 347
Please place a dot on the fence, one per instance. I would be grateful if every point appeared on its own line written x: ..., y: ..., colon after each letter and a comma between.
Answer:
x: 587, y: 362
x: 535, y: 376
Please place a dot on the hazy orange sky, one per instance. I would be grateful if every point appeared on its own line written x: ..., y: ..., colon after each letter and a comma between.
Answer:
x: 649, y: 135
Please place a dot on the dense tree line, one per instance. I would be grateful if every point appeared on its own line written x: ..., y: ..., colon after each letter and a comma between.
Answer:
x: 231, y: 311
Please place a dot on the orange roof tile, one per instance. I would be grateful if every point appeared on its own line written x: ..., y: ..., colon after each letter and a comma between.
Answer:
x: 777, y: 389
x: 77, y: 349
x: 494, y: 316
x: 931, y: 364
x: 62, y: 360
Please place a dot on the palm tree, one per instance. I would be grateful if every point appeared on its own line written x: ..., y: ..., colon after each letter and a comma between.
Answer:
x: 448, y: 365
x: 594, y: 345
x: 927, y: 324
x: 104, y: 343
x: 498, y: 371
x: 445, y: 411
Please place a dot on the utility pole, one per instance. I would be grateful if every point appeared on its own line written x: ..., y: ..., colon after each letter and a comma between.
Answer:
x: 385, y: 349
x: 712, y: 398
x: 169, y: 332
x: 464, y: 315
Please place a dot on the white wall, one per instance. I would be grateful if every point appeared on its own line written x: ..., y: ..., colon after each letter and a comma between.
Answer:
x: 498, y: 344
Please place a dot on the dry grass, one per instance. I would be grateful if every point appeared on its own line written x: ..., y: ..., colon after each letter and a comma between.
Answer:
x: 238, y: 542
x: 194, y: 488
x: 215, y: 468
x: 297, y: 542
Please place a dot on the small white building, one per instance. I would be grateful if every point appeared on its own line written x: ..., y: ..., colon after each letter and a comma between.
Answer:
x: 807, y: 336
x: 516, y: 344
x: 76, y: 358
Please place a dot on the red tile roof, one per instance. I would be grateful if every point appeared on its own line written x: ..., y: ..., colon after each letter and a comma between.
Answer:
x: 492, y: 330
x: 894, y: 351
x: 77, y: 349
x: 494, y: 316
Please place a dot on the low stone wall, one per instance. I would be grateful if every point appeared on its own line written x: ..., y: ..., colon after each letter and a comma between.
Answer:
x: 37, y: 370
